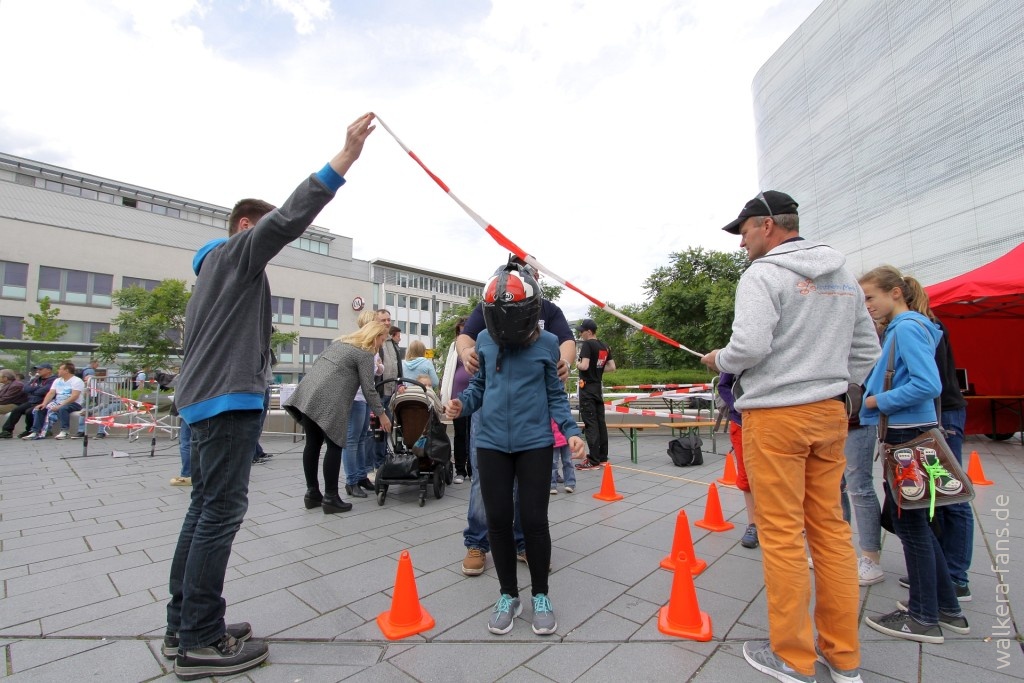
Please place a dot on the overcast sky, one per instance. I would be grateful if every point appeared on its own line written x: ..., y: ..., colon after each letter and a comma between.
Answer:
x: 599, y: 135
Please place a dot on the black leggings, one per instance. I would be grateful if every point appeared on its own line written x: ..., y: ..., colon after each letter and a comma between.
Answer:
x: 315, y: 438
x: 498, y: 474
x: 460, y: 447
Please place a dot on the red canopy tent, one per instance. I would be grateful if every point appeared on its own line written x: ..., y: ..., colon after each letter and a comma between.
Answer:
x: 983, y: 310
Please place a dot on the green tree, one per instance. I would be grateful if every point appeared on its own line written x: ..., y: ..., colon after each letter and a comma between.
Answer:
x: 691, y: 301
x: 153, y: 320
x: 46, y: 327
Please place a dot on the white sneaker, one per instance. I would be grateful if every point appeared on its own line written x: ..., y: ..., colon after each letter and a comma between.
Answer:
x: 569, y: 489
x: 62, y: 435
x: 869, y: 573
x: 29, y: 437
x: 458, y: 479
x: 554, y: 490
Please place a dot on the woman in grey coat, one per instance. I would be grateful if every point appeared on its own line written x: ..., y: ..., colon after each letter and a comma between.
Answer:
x: 321, y: 405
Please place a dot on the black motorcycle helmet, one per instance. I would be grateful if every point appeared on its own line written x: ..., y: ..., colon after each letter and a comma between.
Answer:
x: 512, y: 302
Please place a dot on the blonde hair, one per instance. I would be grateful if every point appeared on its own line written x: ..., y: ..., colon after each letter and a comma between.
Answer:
x: 365, y: 337
x: 416, y: 350
x: 888, y: 278
x: 366, y: 316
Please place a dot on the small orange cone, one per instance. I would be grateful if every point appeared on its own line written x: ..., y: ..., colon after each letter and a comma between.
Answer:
x: 713, y: 520
x: 683, y: 543
x: 607, y: 491
x: 682, y: 616
x: 406, y: 617
x: 975, y: 471
x: 728, y: 477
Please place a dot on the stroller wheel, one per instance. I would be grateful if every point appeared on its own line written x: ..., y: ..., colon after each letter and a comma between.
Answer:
x: 423, y: 502
x: 449, y: 473
x: 381, y: 496
x: 440, y: 474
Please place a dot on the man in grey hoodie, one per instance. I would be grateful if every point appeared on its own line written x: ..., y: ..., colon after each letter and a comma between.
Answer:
x: 220, y: 394
x: 801, y: 335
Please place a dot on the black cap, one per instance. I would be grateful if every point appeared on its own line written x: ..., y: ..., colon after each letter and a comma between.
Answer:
x: 768, y: 203
x: 586, y: 324
x: 42, y: 365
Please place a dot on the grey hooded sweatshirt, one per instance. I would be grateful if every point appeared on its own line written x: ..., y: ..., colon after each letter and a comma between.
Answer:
x: 801, y: 332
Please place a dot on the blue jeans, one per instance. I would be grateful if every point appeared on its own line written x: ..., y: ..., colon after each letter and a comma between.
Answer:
x: 102, y: 411
x: 475, y: 534
x: 352, y: 457
x: 956, y: 521
x: 185, y: 449
x: 63, y: 414
x: 563, y: 455
x: 223, y: 447
x: 860, y: 452
x: 931, y: 588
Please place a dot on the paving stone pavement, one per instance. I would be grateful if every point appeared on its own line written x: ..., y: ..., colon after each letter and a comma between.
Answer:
x: 85, y: 545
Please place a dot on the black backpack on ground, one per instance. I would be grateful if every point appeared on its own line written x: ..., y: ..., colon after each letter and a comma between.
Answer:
x: 685, y: 451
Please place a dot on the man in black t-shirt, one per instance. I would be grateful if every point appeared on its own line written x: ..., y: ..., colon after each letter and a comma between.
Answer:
x: 594, y: 359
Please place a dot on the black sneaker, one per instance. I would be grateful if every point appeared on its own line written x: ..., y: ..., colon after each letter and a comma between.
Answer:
x: 24, y: 433
x: 225, y: 657
x: 901, y: 625
x: 100, y: 435
x: 904, y: 581
x: 79, y: 435
x: 240, y: 632
x: 6, y: 435
x: 963, y: 593
x: 956, y: 624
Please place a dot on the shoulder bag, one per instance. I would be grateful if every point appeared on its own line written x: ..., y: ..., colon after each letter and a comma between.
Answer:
x: 922, y: 472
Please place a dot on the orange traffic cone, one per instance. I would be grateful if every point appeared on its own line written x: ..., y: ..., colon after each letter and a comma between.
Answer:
x: 607, y: 491
x: 713, y: 520
x: 728, y: 477
x: 682, y: 543
x: 682, y: 616
x: 406, y: 617
x: 975, y: 471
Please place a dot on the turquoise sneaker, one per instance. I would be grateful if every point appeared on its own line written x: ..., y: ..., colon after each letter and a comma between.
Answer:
x: 544, y: 623
x: 504, y: 613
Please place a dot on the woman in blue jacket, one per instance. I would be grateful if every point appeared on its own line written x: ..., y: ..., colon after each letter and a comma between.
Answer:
x: 909, y: 405
x: 518, y: 393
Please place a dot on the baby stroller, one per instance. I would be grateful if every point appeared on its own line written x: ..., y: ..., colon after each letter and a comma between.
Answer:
x: 419, y: 451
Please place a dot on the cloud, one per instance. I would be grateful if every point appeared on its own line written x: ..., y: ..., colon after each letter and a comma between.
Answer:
x: 599, y: 136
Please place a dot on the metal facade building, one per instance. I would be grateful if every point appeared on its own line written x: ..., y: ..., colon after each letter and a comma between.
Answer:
x: 898, y: 125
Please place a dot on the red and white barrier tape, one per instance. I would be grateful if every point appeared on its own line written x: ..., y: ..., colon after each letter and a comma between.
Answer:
x: 511, y: 246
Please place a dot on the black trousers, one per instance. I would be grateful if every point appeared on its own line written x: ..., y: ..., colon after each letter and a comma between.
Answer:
x: 498, y: 473
x: 315, y: 438
x: 596, y: 431
x: 16, y: 414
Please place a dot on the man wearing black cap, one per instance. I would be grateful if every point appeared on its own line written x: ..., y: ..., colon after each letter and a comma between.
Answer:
x: 801, y: 334
x: 593, y: 360
x: 36, y: 391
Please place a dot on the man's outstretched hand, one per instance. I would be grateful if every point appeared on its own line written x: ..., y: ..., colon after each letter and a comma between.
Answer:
x: 355, y: 137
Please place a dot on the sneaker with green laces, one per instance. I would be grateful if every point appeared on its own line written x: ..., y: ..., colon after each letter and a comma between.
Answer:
x: 544, y: 623
x: 504, y: 613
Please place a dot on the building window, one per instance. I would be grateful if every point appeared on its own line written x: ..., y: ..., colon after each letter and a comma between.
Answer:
x: 75, y: 287
x: 414, y: 302
x: 83, y: 332
x: 10, y: 327
x: 424, y: 304
x: 148, y: 285
x: 389, y: 299
x: 318, y: 314
x: 424, y: 329
x: 13, y: 280
x: 402, y: 301
x: 283, y: 309
x: 310, y: 348
x: 284, y: 353
x: 315, y: 246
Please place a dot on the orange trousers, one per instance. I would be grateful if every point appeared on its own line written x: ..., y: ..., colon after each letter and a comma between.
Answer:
x: 794, y: 459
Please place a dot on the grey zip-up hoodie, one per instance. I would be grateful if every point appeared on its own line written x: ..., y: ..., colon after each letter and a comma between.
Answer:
x: 801, y: 332
x: 227, y: 322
